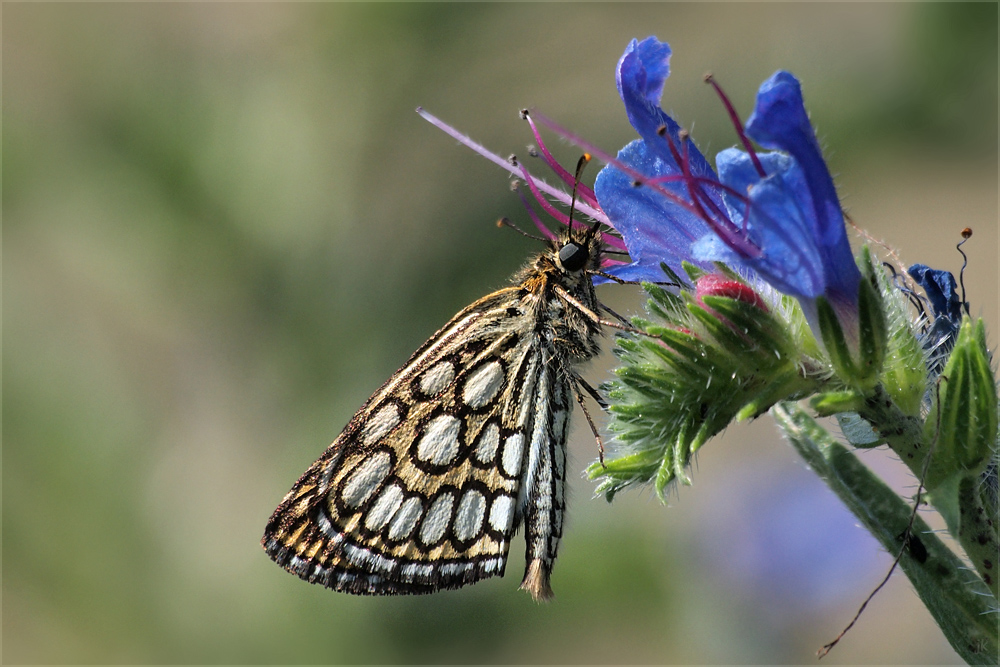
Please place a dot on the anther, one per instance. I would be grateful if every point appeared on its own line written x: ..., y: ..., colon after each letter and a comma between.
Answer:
x: 512, y: 159
x: 524, y: 114
x: 967, y: 233
x: 532, y: 151
x: 661, y: 130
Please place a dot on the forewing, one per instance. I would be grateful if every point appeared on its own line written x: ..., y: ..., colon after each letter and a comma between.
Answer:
x: 420, y: 490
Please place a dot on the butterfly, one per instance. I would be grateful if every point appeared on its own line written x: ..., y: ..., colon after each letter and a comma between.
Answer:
x: 427, y: 484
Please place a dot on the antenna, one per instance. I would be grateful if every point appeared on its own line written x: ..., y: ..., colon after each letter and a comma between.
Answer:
x: 580, y: 165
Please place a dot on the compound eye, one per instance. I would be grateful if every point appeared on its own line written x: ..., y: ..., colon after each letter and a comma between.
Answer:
x: 573, y: 256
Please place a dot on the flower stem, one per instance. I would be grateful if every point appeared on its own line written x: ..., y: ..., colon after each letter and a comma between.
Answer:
x: 960, y: 603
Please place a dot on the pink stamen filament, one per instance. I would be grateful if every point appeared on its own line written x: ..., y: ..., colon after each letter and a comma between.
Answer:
x: 637, y: 177
x: 546, y: 232
x: 721, y: 225
x: 549, y: 208
x: 610, y: 240
x: 718, y: 186
x: 556, y: 193
x: 737, y: 124
x: 584, y: 192
x: 704, y: 182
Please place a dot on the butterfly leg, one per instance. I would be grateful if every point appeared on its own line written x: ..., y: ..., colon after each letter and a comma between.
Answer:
x: 622, y: 281
x: 568, y: 298
x: 614, y: 314
x: 578, y: 382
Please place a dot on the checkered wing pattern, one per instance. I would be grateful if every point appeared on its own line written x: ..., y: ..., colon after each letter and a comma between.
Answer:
x: 426, y: 485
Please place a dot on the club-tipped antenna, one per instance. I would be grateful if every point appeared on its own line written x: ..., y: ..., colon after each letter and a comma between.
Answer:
x: 506, y: 222
x: 580, y: 165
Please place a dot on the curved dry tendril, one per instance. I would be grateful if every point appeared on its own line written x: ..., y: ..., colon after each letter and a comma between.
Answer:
x: 554, y: 192
x: 966, y: 235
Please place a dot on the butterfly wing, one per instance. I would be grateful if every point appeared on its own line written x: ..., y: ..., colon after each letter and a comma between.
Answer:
x: 421, y: 490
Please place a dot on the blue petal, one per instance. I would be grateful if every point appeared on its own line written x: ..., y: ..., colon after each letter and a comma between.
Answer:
x: 649, y: 68
x: 790, y: 259
x: 780, y: 122
x: 654, y: 228
x: 641, y: 73
x: 941, y: 290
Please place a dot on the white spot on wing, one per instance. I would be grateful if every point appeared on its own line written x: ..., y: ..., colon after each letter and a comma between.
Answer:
x: 365, y: 479
x: 487, y: 444
x: 436, y: 522
x: 383, y: 508
x: 502, y: 513
x: 483, y: 385
x: 439, y: 443
x: 406, y: 519
x: 513, y: 449
x: 380, y: 423
x: 437, y: 378
x: 412, y: 571
x: 469, y: 517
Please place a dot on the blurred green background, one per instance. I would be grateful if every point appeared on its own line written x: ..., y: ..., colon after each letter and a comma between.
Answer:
x: 224, y: 227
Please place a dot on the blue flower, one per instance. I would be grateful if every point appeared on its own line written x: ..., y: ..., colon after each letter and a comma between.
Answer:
x: 774, y: 215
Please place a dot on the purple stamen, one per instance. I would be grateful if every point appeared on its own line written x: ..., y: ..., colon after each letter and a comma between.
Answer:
x: 543, y: 202
x: 703, y: 182
x: 737, y: 124
x: 564, y: 197
x: 612, y: 241
x: 546, y: 232
x: 586, y: 193
x: 721, y: 224
x: 637, y: 178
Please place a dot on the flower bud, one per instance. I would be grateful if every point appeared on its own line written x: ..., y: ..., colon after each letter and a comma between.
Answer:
x: 963, y: 420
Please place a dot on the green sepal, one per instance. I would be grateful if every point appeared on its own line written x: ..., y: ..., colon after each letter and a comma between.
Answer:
x: 711, y: 361
x: 694, y: 272
x: 761, y: 331
x: 872, y: 329
x: 834, y: 341
x: 834, y: 402
x: 904, y: 370
x: 788, y: 386
x: 962, y: 424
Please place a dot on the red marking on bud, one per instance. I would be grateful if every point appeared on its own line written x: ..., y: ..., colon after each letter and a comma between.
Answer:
x: 715, y: 284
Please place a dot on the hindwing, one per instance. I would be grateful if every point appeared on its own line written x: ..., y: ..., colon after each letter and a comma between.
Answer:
x: 421, y: 489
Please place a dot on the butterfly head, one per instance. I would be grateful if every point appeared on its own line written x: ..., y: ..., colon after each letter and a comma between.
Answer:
x: 578, y: 252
